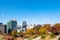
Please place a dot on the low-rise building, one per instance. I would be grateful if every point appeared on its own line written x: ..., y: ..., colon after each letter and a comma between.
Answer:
x: 2, y: 28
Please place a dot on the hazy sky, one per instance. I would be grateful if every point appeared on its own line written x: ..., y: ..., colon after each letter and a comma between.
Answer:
x: 32, y: 11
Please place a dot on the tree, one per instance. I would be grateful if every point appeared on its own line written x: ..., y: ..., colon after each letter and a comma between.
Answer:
x: 28, y: 31
x: 47, y: 26
x: 42, y: 30
x: 14, y: 32
x: 9, y: 30
x: 37, y: 27
x: 57, y: 24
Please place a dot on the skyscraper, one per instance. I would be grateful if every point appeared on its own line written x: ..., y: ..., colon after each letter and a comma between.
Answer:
x: 11, y: 25
x: 24, y: 26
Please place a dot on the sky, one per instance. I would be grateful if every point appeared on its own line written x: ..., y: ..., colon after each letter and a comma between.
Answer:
x: 31, y: 11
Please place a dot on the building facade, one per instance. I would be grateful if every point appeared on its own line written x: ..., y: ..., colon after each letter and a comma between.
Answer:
x: 11, y: 25
x: 5, y: 27
x: 24, y: 26
x: 2, y: 28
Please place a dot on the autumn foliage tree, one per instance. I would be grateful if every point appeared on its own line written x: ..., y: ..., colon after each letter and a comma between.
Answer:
x: 14, y: 32
x: 55, y: 29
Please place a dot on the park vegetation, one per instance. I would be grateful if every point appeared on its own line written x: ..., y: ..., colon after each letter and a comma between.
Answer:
x: 40, y: 30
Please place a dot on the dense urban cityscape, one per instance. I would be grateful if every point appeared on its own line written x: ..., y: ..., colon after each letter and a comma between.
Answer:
x: 12, y: 25
x: 13, y: 31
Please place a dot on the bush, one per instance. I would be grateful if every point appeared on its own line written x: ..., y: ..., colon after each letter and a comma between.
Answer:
x: 43, y: 36
x: 59, y: 38
x: 52, y: 35
x: 30, y: 39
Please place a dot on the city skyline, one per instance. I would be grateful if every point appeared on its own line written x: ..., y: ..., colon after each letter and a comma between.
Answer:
x: 31, y: 11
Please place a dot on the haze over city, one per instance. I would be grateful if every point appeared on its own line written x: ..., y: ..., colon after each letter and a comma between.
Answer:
x: 31, y: 11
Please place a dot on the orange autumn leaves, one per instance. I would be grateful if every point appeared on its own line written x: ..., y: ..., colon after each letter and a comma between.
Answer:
x: 37, y: 30
x: 40, y: 29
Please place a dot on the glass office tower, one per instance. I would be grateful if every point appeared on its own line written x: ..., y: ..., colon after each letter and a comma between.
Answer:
x: 11, y: 25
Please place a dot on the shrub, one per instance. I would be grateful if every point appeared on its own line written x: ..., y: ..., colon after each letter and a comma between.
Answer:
x: 30, y: 38
x: 59, y: 38
x: 52, y: 35
x: 43, y: 36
